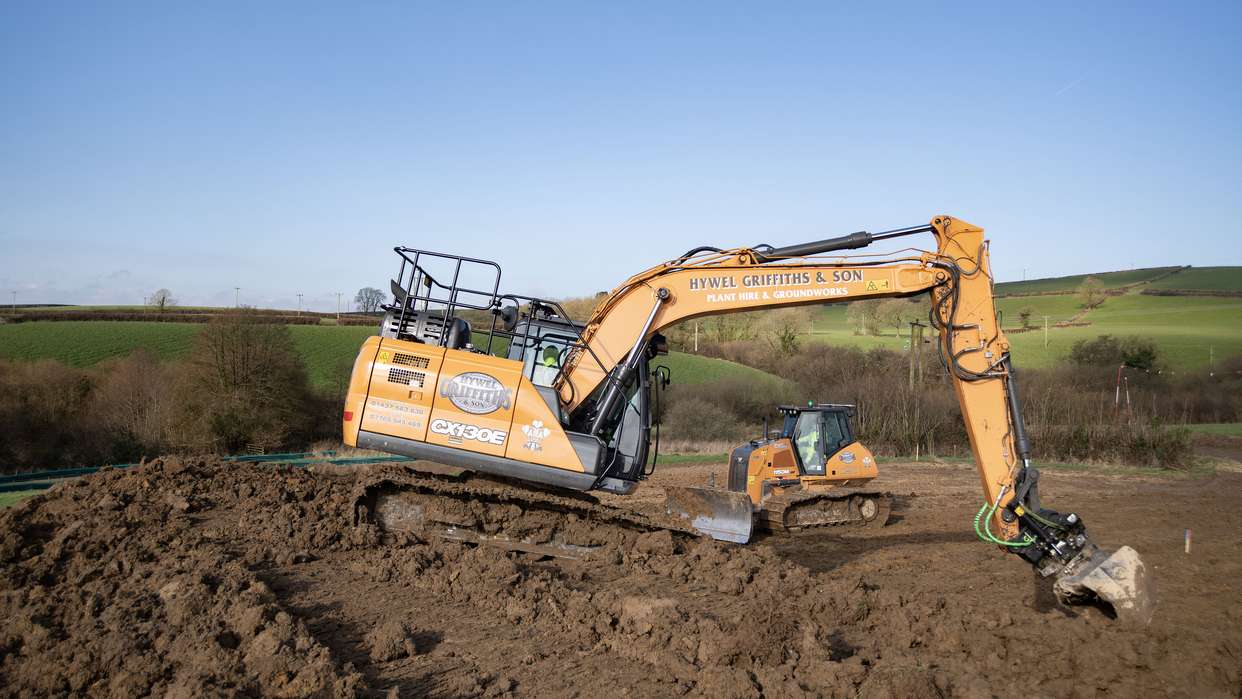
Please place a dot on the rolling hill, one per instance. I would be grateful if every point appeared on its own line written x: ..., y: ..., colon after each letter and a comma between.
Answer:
x: 328, y: 351
x: 1191, y: 331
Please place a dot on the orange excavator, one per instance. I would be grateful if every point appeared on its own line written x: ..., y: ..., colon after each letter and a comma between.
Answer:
x: 510, y: 390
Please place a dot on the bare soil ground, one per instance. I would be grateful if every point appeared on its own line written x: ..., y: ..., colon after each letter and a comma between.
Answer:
x: 193, y: 578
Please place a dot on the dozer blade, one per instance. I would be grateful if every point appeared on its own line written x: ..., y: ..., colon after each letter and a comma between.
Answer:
x: 721, y: 514
x: 1117, y: 580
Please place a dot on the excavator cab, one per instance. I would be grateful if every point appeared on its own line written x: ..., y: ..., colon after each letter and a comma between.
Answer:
x: 463, y: 375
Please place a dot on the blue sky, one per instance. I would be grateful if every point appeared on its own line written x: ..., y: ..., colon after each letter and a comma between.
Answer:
x: 286, y: 147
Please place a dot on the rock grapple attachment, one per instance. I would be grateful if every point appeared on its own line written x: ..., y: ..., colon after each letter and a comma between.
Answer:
x: 1118, y: 581
x: 1058, y: 546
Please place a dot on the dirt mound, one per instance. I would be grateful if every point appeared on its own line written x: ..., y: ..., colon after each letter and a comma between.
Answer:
x: 196, y: 578
x: 110, y: 589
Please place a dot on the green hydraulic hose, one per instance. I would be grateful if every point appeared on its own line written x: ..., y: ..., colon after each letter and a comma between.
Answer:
x: 985, y: 533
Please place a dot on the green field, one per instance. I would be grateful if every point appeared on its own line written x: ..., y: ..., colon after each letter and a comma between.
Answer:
x: 10, y: 499
x: 1205, y: 278
x: 1110, y: 280
x: 1189, y: 330
x: 328, y: 351
x: 83, y: 343
x: 691, y: 369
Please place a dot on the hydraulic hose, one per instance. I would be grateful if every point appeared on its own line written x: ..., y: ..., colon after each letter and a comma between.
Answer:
x: 985, y: 532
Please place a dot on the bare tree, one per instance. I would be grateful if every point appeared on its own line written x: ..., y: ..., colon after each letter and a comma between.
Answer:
x: 864, y: 315
x: 161, y: 299
x: 368, y: 299
x: 896, y: 312
x: 1091, y: 291
x: 781, y: 329
x: 244, y: 384
x: 1024, y: 314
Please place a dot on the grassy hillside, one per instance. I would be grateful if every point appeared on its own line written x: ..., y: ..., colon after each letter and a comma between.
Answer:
x: 1206, y: 278
x: 1186, y: 328
x: 1110, y: 280
x: 328, y: 351
x: 692, y: 369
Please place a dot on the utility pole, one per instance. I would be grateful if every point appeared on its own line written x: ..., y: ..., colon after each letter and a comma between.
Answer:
x: 696, y: 337
x: 299, y: 303
x: 1045, y: 332
x: 916, y: 352
x: 338, y: 307
x: 237, y: 297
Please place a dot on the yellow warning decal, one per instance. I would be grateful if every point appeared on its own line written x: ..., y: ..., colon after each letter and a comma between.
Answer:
x: 1019, y: 511
x: 385, y: 357
x: 878, y: 285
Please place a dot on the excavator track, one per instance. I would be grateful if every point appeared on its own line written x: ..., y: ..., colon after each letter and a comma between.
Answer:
x: 457, y: 505
x: 798, y: 510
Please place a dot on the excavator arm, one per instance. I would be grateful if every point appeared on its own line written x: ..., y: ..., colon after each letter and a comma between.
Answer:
x: 957, y: 278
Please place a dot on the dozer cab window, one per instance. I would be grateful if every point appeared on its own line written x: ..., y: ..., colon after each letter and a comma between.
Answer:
x: 809, y: 439
x: 837, y: 434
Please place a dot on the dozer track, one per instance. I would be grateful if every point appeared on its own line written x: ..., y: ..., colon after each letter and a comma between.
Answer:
x: 796, y: 510
x: 458, y: 505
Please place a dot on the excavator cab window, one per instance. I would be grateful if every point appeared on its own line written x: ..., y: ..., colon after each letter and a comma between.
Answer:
x: 543, y: 355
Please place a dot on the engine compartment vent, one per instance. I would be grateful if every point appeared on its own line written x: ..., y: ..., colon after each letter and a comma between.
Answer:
x: 411, y: 360
x: 405, y: 377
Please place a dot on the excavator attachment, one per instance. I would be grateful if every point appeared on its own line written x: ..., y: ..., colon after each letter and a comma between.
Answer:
x: 723, y: 515
x: 1117, y: 580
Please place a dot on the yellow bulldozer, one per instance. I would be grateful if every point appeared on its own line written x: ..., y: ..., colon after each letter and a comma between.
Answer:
x: 509, y: 389
x: 809, y: 472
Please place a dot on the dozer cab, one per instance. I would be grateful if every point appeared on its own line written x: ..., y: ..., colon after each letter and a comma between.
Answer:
x: 509, y: 387
x: 809, y: 473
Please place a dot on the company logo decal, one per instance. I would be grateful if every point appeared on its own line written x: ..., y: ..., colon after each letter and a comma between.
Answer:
x: 476, y: 393
x: 535, y: 432
x: 458, y: 432
x: 847, y: 457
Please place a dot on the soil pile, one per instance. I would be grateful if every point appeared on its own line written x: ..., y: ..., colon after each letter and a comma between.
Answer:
x: 196, y: 578
x: 113, y: 588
